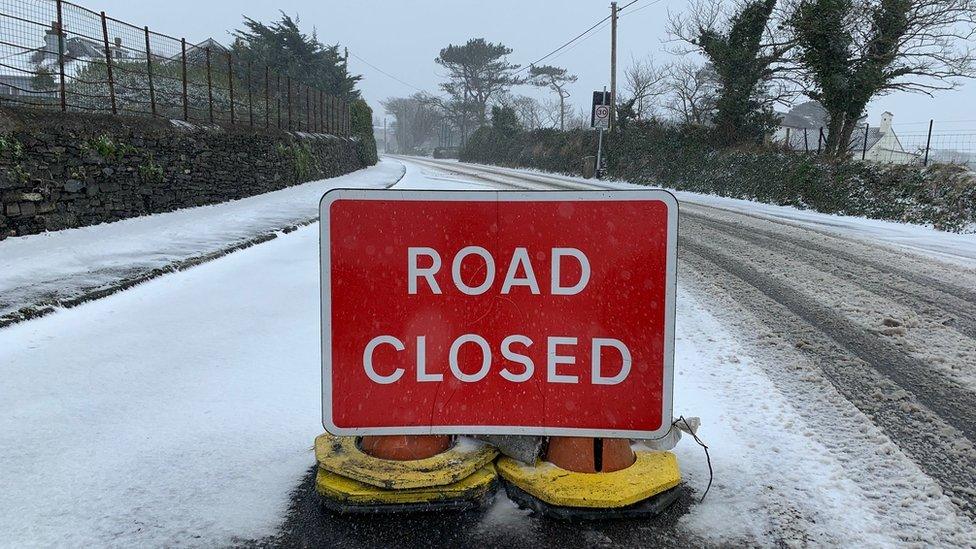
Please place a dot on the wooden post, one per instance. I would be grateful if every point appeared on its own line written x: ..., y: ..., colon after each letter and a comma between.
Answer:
x: 60, y: 29
x: 928, y: 143
x: 820, y: 139
x: 230, y: 85
x: 250, y: 97
x: 864, y: 149
x: 108, y: 64
x: 152, y: 89
x: 186, y: 96
x: 288, y: 83
x: 806, y: 142
x: 267, y: 96
x: 278, y: 98
x: 308, y: 109
x: 613, y: 64
x: 315, y: 112
x: 209, y: 87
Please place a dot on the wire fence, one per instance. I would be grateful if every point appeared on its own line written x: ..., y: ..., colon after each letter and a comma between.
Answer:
x: 895, y: 144
x: 58, y: 55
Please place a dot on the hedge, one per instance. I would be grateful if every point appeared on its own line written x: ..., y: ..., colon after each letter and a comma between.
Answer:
x: 682, y: 158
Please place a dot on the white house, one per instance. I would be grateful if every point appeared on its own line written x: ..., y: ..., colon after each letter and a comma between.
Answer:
x: 804, y: 128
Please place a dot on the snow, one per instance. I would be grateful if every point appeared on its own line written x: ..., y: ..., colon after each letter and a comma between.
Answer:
x: 63, y: 264
x: 182, y: 411
x: 773, y: 472
x: 953, y: 247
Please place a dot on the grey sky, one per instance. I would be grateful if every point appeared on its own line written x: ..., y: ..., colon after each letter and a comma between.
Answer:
x: 403, y: 38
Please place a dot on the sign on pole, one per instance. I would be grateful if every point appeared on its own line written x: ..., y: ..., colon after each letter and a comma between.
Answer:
x: 548, y: 313
x: 600, y: 111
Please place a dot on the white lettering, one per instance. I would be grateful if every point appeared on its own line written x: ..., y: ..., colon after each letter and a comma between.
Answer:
x: 368, y: 360
x: 485, y: 358
x: 553, y: 360
x: 597, y: 376
x: 557, y: 255
x: 489, y: 270
x: 422, y: 375
x: 520, y: 257
x: 517, y: 358
x: 414, y: 271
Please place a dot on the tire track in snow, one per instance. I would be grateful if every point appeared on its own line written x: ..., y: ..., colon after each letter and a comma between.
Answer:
x: 901, y: 379
x: 907, y: 382
x: 911, y: 289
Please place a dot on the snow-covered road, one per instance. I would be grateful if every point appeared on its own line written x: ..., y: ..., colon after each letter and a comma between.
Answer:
x: 61, y: 267
x: 181, y: 411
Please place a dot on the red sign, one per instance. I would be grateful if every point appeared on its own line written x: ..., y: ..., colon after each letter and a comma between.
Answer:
x: 498, y: 312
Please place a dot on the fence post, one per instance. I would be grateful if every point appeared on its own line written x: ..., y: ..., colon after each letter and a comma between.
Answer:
x: 250, y: 96
x: 152, y: 89
x: 332, y: 115
x: 315, y: 112
x: 108, y: 64
x: 186, y: 96
x: 820, y: 139
x: 788, y: 143
x: 288, y: 83
x: 278, y: 98
x: 321, y: 121
x: 267, y: 96
x: 308, y: 110
x: 209, y: 87
x: 230, y: 85
x: 64, y: 98
x: 806, y: 142
x: 928, y: 143
x: 864, y: 150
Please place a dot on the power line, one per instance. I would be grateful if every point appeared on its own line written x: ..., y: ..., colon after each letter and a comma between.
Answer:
x: 583, y: 35
x: 560, y: 48
x: 383, y: 72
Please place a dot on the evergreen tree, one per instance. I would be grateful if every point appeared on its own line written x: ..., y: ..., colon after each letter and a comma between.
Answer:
x: 284, y: 48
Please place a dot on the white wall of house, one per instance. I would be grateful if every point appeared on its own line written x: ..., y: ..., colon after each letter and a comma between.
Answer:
x: 889, y: 149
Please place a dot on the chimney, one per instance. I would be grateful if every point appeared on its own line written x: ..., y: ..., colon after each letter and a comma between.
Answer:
x: 886, y: 118
x: 51, y: 41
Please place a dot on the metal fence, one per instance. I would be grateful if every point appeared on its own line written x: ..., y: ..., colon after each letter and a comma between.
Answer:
x: 913, y: 143
x: 58, y: 55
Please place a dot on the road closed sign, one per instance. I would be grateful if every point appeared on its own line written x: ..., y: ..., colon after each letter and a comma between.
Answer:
x: 548, y: 313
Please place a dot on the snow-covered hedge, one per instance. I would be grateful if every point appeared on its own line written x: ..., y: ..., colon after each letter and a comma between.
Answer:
x: 943, y: 196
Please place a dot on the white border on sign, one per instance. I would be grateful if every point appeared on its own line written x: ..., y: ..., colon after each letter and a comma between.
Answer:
x: 325, y: 259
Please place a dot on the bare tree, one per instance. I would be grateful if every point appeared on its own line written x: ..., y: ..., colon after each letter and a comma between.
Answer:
x: 416, y: 118
x: 556, y: 79
x: 692, y: 92
x: 530, y: 111
x: 644, y: 84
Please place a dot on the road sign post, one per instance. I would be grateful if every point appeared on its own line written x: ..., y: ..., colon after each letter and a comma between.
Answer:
x: 600, y: 119
x: 546, y: 313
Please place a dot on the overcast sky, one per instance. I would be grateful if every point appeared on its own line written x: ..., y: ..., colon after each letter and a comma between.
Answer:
x: 403, y: 37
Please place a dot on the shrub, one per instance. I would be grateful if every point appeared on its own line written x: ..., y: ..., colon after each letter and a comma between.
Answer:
x: 685, y: 158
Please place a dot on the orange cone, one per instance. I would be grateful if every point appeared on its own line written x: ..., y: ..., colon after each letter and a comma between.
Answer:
x: 590, y: 455
x: 405, y: 447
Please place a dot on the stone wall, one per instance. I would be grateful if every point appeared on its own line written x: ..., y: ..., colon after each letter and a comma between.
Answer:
x: 72, y: 170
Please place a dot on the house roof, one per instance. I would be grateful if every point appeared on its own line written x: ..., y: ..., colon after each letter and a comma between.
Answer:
x: 797, y: 141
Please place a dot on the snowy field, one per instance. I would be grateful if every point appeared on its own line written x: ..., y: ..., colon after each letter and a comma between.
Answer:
x: 182, y: 411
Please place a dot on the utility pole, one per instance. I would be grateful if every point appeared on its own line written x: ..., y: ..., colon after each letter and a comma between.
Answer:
x: 613, y: 63
x: 386, y: 145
